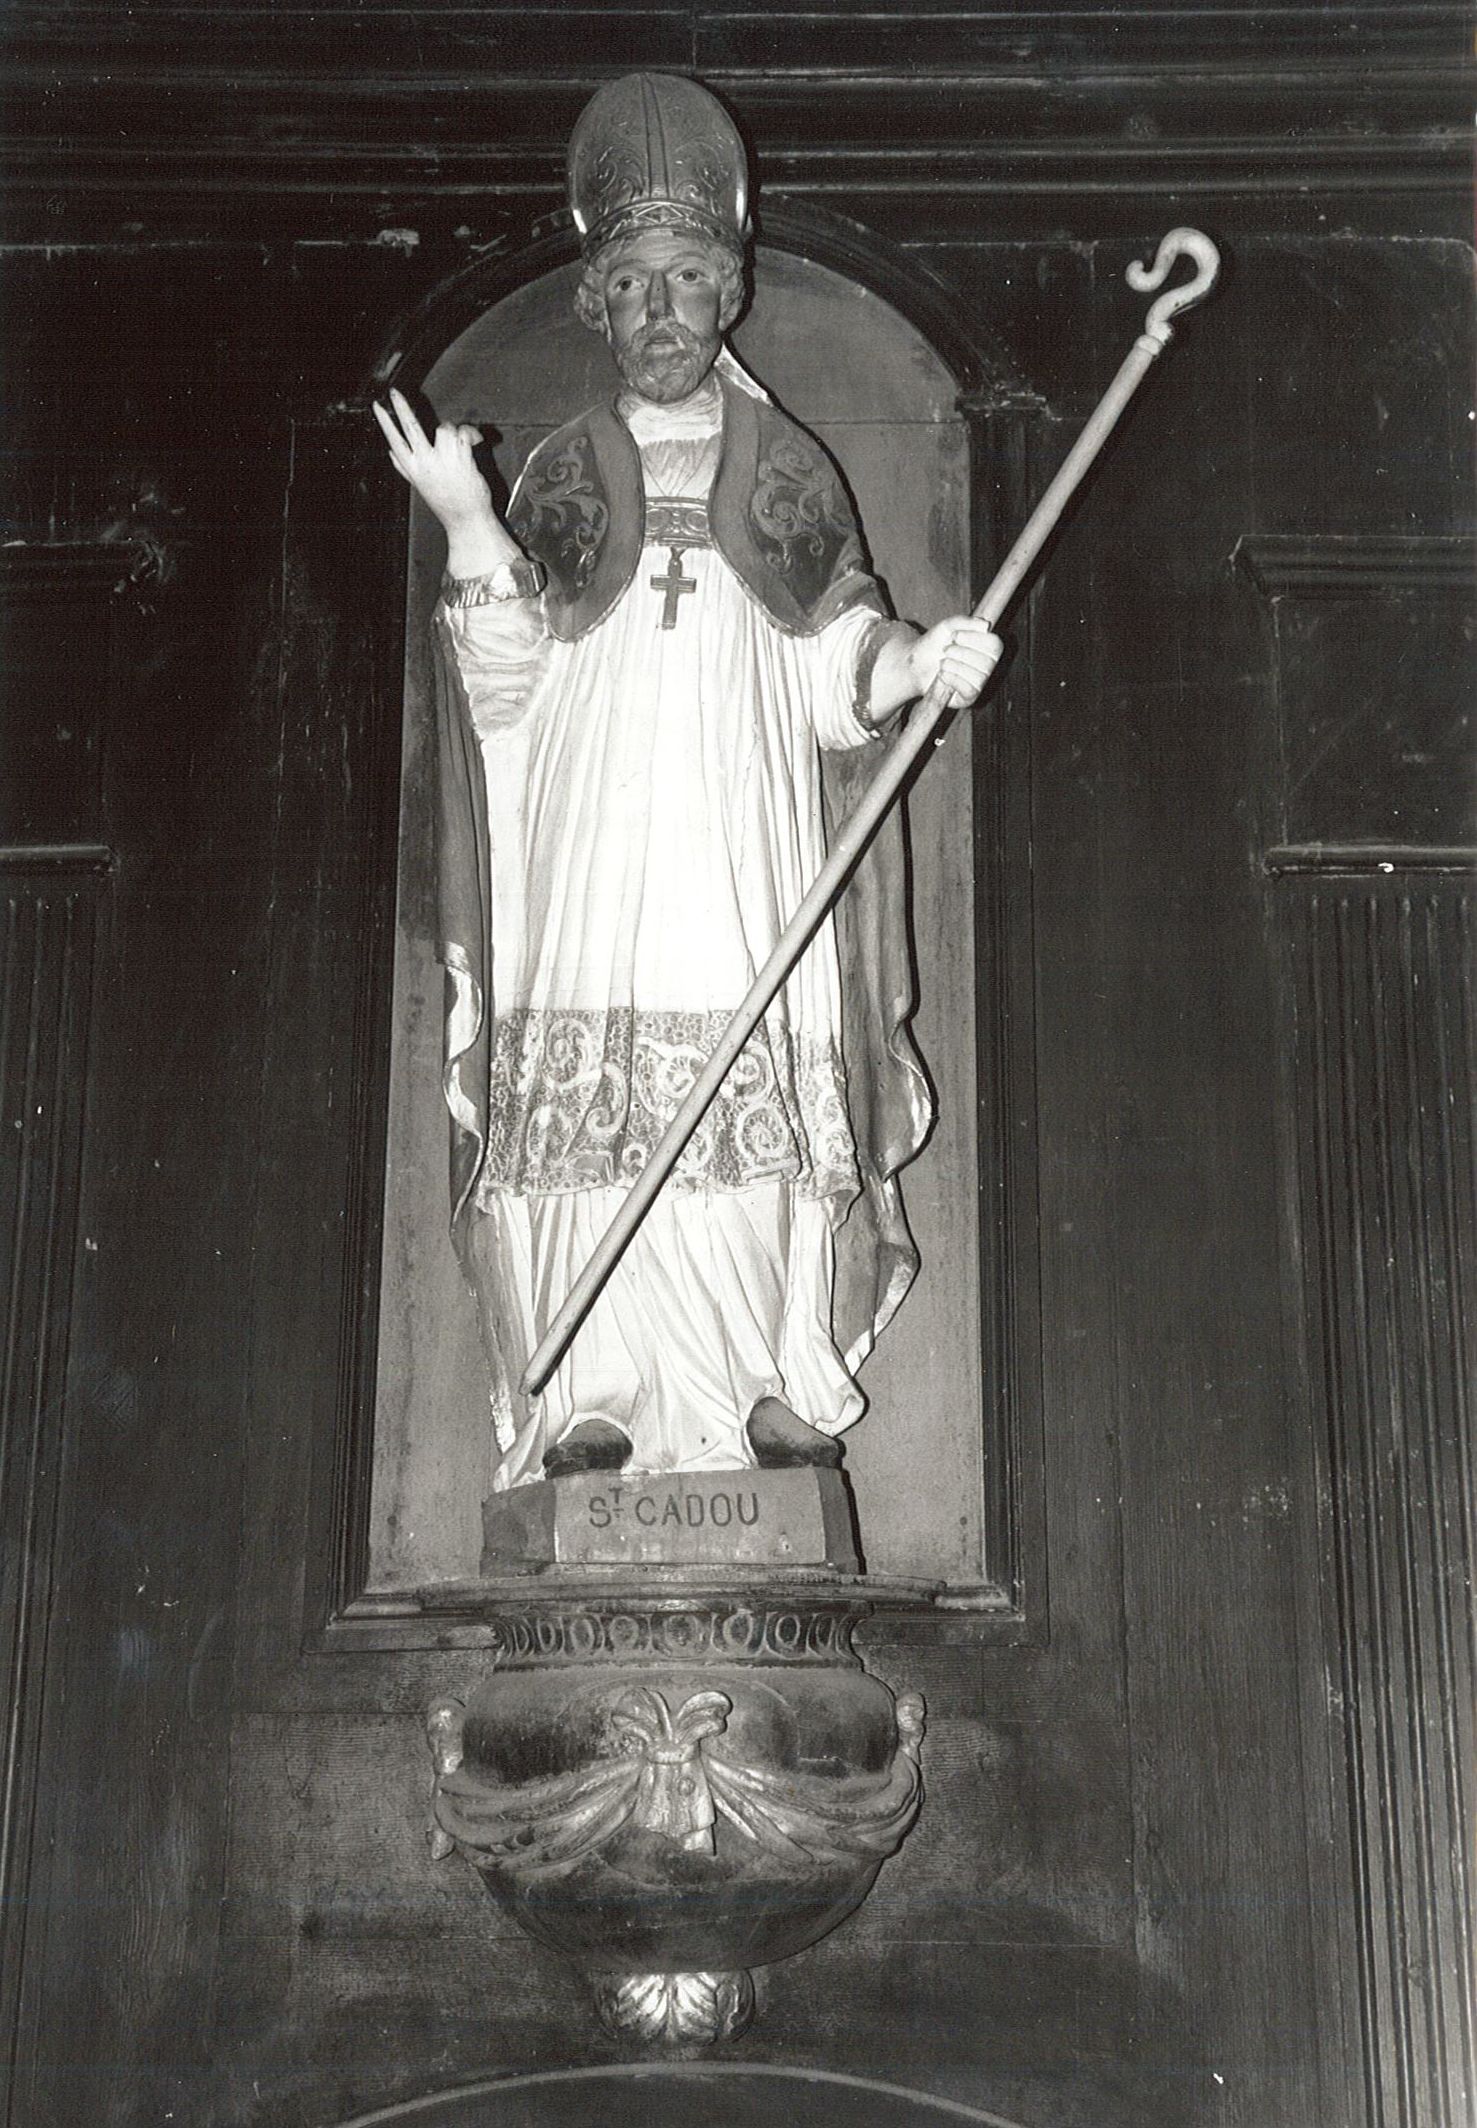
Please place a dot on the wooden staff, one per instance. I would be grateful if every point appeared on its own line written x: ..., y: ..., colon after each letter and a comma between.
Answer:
x: 858, y: 831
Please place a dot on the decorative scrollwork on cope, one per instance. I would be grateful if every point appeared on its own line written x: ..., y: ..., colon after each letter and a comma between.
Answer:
x: 558, y: 513
x: 800, y: 521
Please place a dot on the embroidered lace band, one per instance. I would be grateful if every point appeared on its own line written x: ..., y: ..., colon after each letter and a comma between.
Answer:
x: 676, y: 521
x: 580, y: 1098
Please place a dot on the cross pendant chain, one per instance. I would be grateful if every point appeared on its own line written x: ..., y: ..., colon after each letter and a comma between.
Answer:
x: 672, y: 586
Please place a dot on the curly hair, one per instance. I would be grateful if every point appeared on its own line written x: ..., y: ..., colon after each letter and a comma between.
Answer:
x: 589, y: 297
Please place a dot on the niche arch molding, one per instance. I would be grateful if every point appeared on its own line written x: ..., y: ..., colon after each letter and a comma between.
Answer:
x: 986, y: 377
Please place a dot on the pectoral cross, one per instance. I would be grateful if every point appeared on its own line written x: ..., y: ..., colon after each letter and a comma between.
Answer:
x: 672, y: 586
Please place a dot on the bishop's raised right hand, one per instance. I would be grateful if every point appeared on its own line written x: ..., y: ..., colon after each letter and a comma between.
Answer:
x: 445, y: 475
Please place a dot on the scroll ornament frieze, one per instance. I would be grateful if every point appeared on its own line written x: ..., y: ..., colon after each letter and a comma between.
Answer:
x: 640, y: 1633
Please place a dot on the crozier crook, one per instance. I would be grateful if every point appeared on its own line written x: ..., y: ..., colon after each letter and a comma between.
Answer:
x: 858, y: 830
x: 1178, y: 244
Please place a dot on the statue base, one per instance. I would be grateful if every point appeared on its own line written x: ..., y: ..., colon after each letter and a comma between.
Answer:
x: 743, y: 1518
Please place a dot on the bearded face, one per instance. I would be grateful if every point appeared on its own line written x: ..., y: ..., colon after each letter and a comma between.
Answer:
x: 666, y: 360
x: 664, y: 298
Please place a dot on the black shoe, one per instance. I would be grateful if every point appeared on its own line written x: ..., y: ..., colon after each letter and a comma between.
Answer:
x: 595, y: 1444
x: 781, y: 1440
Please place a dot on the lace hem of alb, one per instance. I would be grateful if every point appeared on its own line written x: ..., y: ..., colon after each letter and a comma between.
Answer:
x: 579, y: 1099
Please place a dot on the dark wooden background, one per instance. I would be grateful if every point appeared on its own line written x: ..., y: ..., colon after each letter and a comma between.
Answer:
x: 1192, y: 1851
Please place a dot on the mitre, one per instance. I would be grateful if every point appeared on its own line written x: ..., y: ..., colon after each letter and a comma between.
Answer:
x: 654, y: 151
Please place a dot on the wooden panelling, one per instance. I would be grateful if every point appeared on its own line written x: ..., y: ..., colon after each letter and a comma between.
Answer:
x: 1155, y: 1033
x: 330, y: 972
x: 55, y: 638
x: 377, y: 118
x: 131, y: 1798
x: 1005, y: 954
x: 1382, y: 748
x: 47, y: 916
x: 1344, y: 565
x: 1377, y: 674
x: 54, y: 647
x: 1385, y: 1063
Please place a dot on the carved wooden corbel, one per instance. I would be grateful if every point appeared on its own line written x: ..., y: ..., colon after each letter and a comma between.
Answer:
x: 722, y: 1811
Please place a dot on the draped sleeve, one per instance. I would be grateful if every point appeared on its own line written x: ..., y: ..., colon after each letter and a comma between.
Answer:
x: 500, y: 649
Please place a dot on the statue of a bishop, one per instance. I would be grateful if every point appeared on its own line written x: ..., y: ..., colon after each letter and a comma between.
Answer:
x: 645, y: 670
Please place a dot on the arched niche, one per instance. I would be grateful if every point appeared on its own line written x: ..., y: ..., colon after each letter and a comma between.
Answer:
x: 861, y: 376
